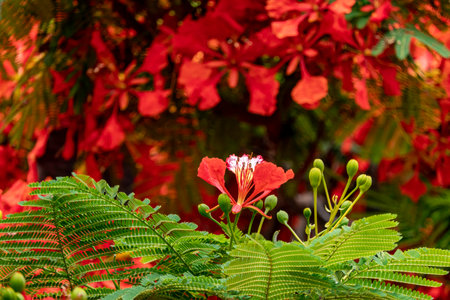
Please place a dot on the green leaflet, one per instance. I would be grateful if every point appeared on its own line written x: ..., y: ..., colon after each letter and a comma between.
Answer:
x: 365, y: 237
x: 265, y: 270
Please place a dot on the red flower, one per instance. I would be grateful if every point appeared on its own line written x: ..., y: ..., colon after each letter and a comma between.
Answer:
x: 414, y: 188
x: 255, y: 178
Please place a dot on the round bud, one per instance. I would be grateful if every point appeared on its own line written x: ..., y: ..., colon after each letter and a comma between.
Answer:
x: 78, y: 294
x: 202, y: 208
x: 307, y: 213
x: 270, y: 202
x: 315, y: 176
x: 224, y: 203
x: 367, y: 184
x: 17, y: 282
x: 345, y: 205
x: 282, y: 217
x: 19, y: 296
x: 318, y: 163
x: 352, y: 168
x: 361, y: 179
x: 344, y: 222
x: 9, y: 294
x: 259, y: 204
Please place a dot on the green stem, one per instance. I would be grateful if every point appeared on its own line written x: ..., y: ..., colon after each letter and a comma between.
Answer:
x: 294, y: 234
x: 236, y: 219
x: 336, y: 208
x: 261, y: 222
x: 231, y: 231
x: 347, y: 185
x: 346, y: 212
x: 326, y: 192
x: 251, y: 223
x: 315, y: 211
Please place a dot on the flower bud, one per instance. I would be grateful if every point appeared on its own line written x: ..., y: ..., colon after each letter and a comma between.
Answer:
x: 8, y: 294
x: 19, y: 296
x: 17, y: 282
x: 270, y: 202
x: 345, y: 205
x: 367, y: 184
x: 352, y: 168
x: 202, y: 208
x: 224, y: 203
x: 282, y: 217
x: 361, y: 179
x: 344, y: 221
x: 318, y: 163
x: 259, y: 204
x: 315, y: 176
x: 78, y: 294
x: 307, y: 213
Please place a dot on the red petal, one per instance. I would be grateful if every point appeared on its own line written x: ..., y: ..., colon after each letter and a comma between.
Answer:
x: 99, y: 94
x: 310, y: 90
x: 112, y: 135
x: 342, y: 6
x: 69, y: 145
x: 60, y: 84
x: 268, y: 177
x: 361, y: 96
x: 287, y: 28
x: 92, y: 167
x: 200, y: 84
x: 233, y: 78
x: 212, y: 170
x: 38, y: 151
x: 102, y: 51
x: 414, y: 188
x: 390, y: 83
x: 153, y: 103
x: 263, y: 88
x: 155, y: 59
x: 382, y: 12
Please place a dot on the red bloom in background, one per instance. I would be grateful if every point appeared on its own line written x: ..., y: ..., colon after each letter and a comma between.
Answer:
x: 255, y: 177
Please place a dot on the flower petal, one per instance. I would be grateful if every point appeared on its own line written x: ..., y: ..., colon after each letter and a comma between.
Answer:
x: 268, y: 176
x: 212, y: 170
x: 310, y: 90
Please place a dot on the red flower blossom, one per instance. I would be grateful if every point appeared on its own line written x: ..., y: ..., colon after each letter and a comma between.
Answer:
x: 255, y: 177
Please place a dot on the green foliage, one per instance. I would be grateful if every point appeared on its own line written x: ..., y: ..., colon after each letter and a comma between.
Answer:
x: 64, y: 241
x: 79, y: 228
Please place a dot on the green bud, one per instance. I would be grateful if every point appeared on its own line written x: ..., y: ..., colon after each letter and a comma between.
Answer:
x: 282, y: 217
x: 78, y: 294
x: 224, y: 203
x: 352, y: 168
x: 318, y: 163
x: 19, y: 296
x: 9, y: 294
x: 345, y: 205
x: 270, y: 202
x: 315, y: 176
x: 344, y: 222
x: 361, y: 179
x: 367, y: 184
x: 259, y: 204
x: 307, y: 213
x: 202, y: 208
x: 17, y: 282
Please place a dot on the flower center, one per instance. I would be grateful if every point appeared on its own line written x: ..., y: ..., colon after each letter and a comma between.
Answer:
x: 243, y: 167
